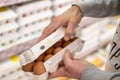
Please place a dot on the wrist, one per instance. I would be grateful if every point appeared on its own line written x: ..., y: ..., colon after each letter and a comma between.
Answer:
x: 78, y: 9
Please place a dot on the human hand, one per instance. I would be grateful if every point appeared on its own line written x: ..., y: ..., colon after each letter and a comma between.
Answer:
x: 72, y: 68
x: 68, y: 19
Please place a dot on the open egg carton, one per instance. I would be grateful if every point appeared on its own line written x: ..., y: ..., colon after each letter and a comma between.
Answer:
x: 44, y: 57
x: 61, y: 5
x: 33, y: 17
x: 8, y: 27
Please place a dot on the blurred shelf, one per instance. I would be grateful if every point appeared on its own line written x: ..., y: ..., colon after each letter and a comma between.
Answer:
x: 11, y: 2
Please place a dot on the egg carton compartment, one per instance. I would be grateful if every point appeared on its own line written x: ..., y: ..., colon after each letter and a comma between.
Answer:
x: 61, y: 10
x: 33, y: 55
x: 61, y: 3
x: 9, y: 34
x: 57, y: 2
x: 11, y: 2
x: 6, y: 15
x: 8, y: 27
x: 17, y: 49
x: 33, y: 27
x: 13, y: 67
x: 33, y: 7
x: 36, y: 17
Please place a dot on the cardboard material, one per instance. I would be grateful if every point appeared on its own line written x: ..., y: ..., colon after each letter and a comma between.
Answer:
x: 51, y: 64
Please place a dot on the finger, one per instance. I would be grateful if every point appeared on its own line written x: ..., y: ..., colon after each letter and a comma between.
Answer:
x: 55, y: 24
x: 59, y: 73
x: 67, y: 59
x: 48, y: 30
x: 70, y: 28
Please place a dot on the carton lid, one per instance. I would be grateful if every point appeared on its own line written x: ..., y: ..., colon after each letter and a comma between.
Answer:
x: 34, y: 52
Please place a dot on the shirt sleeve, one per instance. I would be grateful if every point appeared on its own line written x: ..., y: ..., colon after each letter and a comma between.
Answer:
x: 93, y: 73
x: 99, y: 8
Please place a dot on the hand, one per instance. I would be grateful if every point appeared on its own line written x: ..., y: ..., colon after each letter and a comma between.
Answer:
x: 72, y: 68
x: 68, y: 19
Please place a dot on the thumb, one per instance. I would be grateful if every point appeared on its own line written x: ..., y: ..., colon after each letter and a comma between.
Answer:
x: 70, y: 28
x: 59, y: 73
x: 67, y: 59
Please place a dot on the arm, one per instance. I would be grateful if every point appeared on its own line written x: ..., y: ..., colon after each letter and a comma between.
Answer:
x: 93, y: 73
x: 82, y: 70
x: 99, y: 8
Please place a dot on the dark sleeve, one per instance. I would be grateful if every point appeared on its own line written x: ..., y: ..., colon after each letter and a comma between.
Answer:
x: 99, y: 8
x: 93, y: 73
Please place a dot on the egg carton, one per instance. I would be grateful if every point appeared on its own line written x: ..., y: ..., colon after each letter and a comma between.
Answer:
x: 33, y: 28
x: 61, y: 3
x: 51, y: 64
x: 61, y: 6
x: 9, y: 68
x: 27, y: 9
x: 11, y: 2
x: 38, y: 17
x: 8, y: 34
x: 6, y: 16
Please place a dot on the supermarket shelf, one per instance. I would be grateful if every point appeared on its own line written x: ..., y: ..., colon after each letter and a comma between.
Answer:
x: 20, y: 41
x: 11, y: 2
x: 8, y: 27
x: 6, y: 14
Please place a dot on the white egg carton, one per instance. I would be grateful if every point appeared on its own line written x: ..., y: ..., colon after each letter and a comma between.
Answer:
x: 57, y: 2
x: 51, y: 65
x: 8, y: 34
x: 33, y: 28
x: 6, y: 16
x: 32, y: 7
x: 9, y: 68
x: 11, y: 2
x: 35, y: 17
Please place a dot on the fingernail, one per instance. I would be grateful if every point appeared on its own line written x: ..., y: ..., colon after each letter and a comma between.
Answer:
x: 66, y: 38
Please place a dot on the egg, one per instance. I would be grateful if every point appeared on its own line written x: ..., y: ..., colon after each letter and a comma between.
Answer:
x: 66, y: 43
x: 58, y: 44
x: 39, y: 68
x: 48, y: 57
x: 50, y: 50
x: 41, y: 57
x: 28, y: 67
x: 57, y: 50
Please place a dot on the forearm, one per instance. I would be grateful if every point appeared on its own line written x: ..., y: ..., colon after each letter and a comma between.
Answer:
x: 93, y: 73
x: 99, y: 8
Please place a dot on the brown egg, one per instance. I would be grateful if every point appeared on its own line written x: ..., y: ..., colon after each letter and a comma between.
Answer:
x: 58, y: 44
x: 48, y: 57
x: 57, y: 50
x: 73, y: 39
x: 39, y: 68
x: 63, y: 40
x: 28, y: 67
x: 41, y: 57
x: 50, y: 50
x: 66, y: 43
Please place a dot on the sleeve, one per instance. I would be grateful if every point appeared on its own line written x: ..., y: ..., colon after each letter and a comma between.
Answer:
x: 93, y: 73
x: 99, y: 8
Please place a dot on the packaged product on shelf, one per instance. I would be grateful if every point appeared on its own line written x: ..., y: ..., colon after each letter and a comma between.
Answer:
x: 27, y: 9
x: 61, y: 5
x: 44, y: 57
x: 8, y: 35
x: 6, y: 15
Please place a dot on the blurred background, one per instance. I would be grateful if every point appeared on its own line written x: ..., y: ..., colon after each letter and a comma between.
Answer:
x: 22, y: 22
